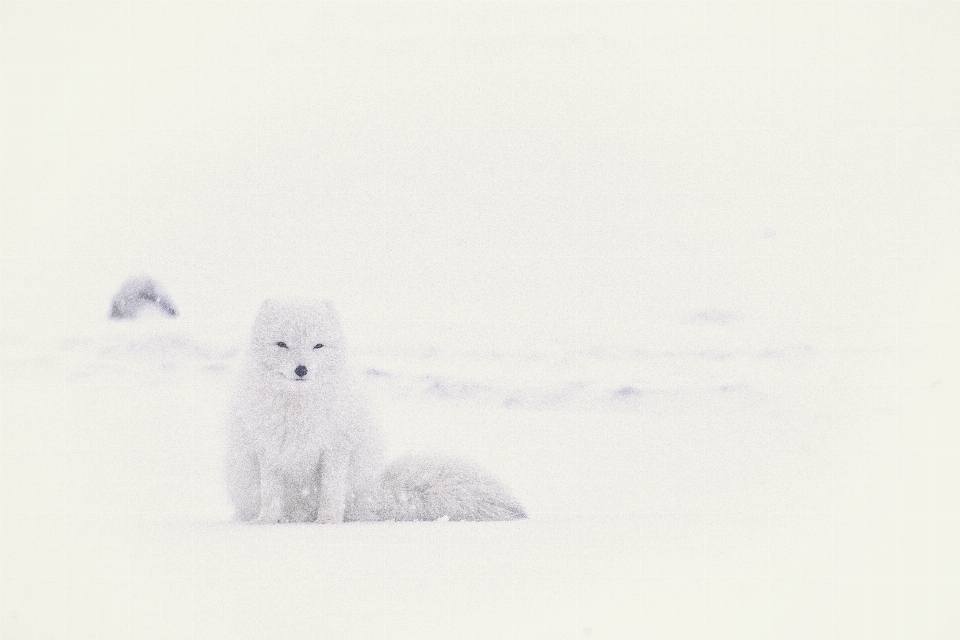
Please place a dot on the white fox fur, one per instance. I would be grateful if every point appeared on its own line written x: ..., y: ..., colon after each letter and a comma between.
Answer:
x: 303, y: 447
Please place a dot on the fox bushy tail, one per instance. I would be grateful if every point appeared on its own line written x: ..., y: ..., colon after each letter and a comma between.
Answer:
x: 430, y: 488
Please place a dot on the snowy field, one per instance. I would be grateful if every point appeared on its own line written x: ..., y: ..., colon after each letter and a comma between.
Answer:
x: 683, y: 276
x: 721, y: 487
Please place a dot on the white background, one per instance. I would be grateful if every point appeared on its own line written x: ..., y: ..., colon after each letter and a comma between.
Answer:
x: 539, y: 184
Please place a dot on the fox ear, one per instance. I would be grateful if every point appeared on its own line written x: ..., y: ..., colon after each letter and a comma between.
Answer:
x: 267, y: 309
x: 330, y: 312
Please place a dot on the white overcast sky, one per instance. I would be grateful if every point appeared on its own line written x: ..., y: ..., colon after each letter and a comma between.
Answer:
x: 530, y: 163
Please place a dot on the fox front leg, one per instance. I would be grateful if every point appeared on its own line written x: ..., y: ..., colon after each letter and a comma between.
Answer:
x: 272, y: 498
x: 243, y: 481
x: 333, y: 489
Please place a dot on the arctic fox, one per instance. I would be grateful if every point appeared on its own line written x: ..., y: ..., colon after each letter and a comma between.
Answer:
x: 302, y: 446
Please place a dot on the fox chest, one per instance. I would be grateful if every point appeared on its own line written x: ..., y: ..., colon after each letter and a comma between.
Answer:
x: 294, y: 438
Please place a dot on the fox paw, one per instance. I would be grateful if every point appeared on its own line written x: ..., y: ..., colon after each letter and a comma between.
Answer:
x: 263, y: 520
x: 270, y: 518
x: 327, y: 517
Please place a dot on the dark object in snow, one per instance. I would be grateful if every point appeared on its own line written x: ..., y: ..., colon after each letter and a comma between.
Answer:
x: 138, y: 293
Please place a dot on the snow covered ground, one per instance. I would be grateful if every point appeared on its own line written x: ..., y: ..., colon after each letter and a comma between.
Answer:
x: 683, y: 276
x: 724, y: 487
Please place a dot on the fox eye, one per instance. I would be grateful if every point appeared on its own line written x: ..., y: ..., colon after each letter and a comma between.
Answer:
x: 318, y: 346
x: 282, y: 344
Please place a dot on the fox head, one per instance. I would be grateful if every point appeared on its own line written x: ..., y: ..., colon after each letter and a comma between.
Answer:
x: 298, y: 342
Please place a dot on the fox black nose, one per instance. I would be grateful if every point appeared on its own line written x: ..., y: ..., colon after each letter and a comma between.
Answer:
x: 300, y: 371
